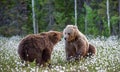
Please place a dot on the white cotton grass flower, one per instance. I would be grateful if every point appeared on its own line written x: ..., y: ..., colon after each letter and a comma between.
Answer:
x: 106, y: 60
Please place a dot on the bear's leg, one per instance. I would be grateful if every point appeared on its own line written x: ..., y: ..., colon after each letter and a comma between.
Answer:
x: 39, y: 59
x: 23, y: 56
x: 91, y: 51
x: 69, y: 56
x: 70, y: 52
x: 46, y: 56
x: 81, y: 51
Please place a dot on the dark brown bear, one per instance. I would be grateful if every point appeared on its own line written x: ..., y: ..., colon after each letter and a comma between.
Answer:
x: 76, y: 44
x: 38, y: 47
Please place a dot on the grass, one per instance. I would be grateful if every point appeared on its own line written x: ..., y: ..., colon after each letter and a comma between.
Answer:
x: 106, y: 60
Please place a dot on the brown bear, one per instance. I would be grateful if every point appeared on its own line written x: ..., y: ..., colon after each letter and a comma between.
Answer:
x: 38, y: 47
x: 76, y: 44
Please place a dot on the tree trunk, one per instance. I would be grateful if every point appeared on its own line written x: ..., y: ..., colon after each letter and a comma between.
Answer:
x: 86, y: 15
x: 108, y: 15
x: 35, y: 25
x: 80, y: 4
x: 86, y: 21
x: 75, y: 5
x: 119, y: 21
x: 51, y: 18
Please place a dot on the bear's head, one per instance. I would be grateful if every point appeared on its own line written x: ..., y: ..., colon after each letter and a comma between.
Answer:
x: 70, y: 32
x: 54, y: 36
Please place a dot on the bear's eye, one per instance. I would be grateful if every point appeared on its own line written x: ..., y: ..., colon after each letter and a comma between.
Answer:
x: 68, y: 33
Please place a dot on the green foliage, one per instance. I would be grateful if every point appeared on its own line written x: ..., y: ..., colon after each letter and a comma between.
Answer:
x: 114, y: 20
x: 90, y: 16
x: 81, y: 24
x: 5, y: 31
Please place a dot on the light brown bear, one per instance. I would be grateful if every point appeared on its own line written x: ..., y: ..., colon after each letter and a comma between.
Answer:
x: 38, y: 47
x: 76, y: 44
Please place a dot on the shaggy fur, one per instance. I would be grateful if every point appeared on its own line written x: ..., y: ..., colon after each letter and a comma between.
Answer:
x: 76, y: 44
x: 38, y: 47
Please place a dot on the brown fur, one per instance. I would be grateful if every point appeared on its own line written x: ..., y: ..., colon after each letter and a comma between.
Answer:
x: 38, y: 47
x: 76, y: 44
x: 91, y: 51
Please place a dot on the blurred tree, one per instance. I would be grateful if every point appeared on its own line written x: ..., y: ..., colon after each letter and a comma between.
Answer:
x: 75, y: 12
x: 35, y: 25
x: 108, y: 14
x: 13, y: 14
x: 50, y: 16
x: 119, y: 21
x: 86, y: 15
x: 16, y: 16
x: 81, y: 15
x: 64, y: 13
x: 114, y: 17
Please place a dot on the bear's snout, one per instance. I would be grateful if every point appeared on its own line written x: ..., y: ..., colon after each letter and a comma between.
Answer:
x: 65, y: 38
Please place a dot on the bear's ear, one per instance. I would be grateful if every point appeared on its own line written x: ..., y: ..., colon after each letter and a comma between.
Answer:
x: 56, y: 34
x: 50, y: 30
x: 75, y: 27
x: 53, y: 34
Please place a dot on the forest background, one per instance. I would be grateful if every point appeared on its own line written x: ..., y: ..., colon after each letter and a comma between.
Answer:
x: 92, y: 19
